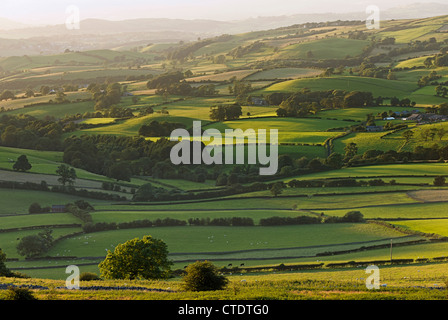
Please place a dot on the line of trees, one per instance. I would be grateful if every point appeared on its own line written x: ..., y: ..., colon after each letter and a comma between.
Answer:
x: 225, y: 112
x: 174, y: 83
x: 305, y: 102
x: 116, y: 157
x: 349, y: 217
x: 28, y: 132
x: 159, y: 129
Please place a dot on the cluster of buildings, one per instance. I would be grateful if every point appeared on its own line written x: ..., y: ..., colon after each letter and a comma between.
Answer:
x: 415, y: 115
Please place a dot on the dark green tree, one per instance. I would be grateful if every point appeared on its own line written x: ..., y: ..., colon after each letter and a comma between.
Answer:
x: 203, y: 276
x: 350, y: 150
x: 66, y: 175
x: 4, y: 271
x: 335, y: 160
x: 120, y: 171
x: 276, y: 189
x: 22, y: 164
x: 34, y: 245
x: 439, y: 181
x: 145, y: 258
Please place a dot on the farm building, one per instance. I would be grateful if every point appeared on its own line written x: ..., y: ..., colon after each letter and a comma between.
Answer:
x: 415, y: 117
x: 427, y: 117
x: 259, y: 102
x: 57, y: 208
x: 374, y: 128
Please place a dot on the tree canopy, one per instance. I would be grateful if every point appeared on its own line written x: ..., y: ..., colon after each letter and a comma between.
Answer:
x: 145, y: 258
x: 22, y: 164
x: 203, y: 276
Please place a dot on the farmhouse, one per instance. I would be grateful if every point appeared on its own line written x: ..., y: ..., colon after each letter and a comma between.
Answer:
x: 58, y: 208
x: 436, y: 117
x: 415, y: 117
x: 259, y: 102
x: 427, y: 117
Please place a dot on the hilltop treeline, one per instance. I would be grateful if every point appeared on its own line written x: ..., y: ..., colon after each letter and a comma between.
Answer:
x: 240, y: 51
x: 349, y: 217
x: 27, y: 132
x: 418, y: 46
x: 304, y: 102
x: 174, y: 83
x: 187, y: 50
x: 114, y: 156
x: 159, y: 129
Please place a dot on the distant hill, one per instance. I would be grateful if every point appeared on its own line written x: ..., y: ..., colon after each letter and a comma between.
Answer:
x: 97, y: 34
x: 415, y: 11
x: 206, y: 27
x: 7, y: 24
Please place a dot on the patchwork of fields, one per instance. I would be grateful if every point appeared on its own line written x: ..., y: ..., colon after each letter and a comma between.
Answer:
x: 397, y: 182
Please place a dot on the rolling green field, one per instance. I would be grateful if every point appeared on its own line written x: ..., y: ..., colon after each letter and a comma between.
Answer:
x: 324, y: 49
x: 408, y: 211
x: 379, y: 87
x: 217, y: 239
x: 392, y: 170
x: 302, y: 131
x: 438, y: 226
x: 56, y: 110
x: 283, y: 73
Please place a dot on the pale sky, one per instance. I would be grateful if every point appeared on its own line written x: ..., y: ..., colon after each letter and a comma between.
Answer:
x: 54, y: 11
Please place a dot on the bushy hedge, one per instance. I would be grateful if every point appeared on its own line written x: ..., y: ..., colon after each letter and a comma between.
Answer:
x: 233, y: 221
x: 349, y: 217
x: 82, y: 214
x: 43, y: 186
x: 283, y: 221
x: 103, y: 226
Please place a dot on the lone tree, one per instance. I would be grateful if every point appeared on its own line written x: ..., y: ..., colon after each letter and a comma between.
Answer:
x: 351, y: 150
x: 22, y: 164
x: 145, y: 258
x: 4, y: 271
x: 34, y: 245
x: 277, y: 188
x: 203, y: 276
x: 439, y: 181
x: 66, y: 174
